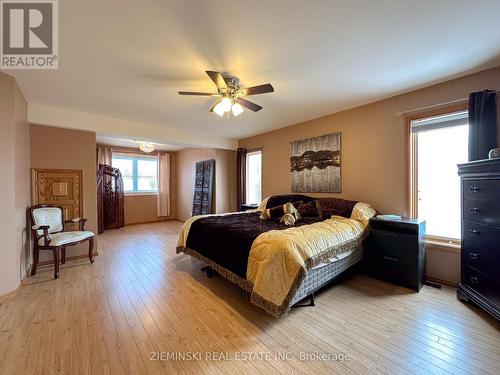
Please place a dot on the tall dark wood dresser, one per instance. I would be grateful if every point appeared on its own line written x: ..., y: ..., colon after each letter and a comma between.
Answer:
x: 480, y: 258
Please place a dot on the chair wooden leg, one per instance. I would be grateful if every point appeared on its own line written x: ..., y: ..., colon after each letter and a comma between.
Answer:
x: 56, y: 262
x: 63, y: 255
x: 91, y: 249
x: 36, y: 252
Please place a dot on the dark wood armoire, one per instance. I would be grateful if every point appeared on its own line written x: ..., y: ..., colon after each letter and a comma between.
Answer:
x: 204, y: 187
x: 110, y: 198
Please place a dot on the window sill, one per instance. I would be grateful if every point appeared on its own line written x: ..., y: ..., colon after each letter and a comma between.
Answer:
x: 444, y: 245
x: 139, y: 194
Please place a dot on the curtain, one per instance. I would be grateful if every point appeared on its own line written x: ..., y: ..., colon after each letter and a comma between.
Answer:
x: 104, y: 155
x: 163, y: 184
x: 241, y: 175
x: 482, y: 124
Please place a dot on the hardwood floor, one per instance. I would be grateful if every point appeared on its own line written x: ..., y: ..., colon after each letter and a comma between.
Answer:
x: 140, y: 297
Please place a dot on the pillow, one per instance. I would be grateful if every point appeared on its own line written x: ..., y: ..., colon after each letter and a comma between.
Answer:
x: 288, y: 219
x: 308, y: 209
x: 363, y: 212
x: 334, y: 206
x: 279, y: 200
x: 278, y: 211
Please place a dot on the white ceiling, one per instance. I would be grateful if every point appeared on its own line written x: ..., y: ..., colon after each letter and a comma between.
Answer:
x: 133, y: 143
x: 127, y: 59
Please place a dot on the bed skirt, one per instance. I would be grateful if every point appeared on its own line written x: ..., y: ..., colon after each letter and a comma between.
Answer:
x: 314, y: 279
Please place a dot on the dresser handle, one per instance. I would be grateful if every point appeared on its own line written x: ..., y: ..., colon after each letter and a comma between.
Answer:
x: 473, y: 256
x: 474, y: 232
x: 474, y: 189
x: 391, y: 259
x: 474, y: 210
x: 474, y: 280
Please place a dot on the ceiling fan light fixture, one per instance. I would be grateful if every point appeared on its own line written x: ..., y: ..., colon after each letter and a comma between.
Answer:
x: 225, y: 104
x: 231, y: 94
x: 219, y: 109
x: 237, y: 109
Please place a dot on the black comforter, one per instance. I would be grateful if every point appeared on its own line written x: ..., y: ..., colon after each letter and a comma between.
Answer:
x: 227, y: 240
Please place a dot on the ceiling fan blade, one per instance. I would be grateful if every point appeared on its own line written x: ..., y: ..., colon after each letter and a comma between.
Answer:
x: 217, y: 78
x: 197, y: 93
x: 261, y: 89
x: 248, y: 104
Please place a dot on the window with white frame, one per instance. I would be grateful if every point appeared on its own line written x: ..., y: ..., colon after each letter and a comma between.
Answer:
x: 437, y: 145
x: 139, y: 172
x: 253, y: 177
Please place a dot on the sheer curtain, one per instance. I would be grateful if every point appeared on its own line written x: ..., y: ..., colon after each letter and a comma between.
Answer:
x: 163, y: 184
x: 104, y: 155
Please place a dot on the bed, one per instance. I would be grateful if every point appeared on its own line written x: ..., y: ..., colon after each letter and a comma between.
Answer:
x: 279, y: 265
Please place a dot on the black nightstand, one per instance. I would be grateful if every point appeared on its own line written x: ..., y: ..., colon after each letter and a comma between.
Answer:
x: 246, y: 207
x: 395, y: 251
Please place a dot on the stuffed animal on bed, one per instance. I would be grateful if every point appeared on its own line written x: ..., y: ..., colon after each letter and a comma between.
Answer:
x: 287, y: 213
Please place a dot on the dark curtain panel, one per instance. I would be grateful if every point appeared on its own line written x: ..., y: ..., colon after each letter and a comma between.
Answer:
x: 482, y: 124
x: 241, y: 176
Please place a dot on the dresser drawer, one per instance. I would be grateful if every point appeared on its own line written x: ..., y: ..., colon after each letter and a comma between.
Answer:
x: 393, y: 244
x: 483, y: 190
x: 488, y: 261
x: 481, y: 235
x: 481, y: 283
x: 481, y: 212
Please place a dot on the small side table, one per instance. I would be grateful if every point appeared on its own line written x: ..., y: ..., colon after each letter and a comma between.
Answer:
x: 395, y: 251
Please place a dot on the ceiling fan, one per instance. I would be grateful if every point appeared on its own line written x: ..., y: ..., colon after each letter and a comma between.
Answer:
x: 231, y: 94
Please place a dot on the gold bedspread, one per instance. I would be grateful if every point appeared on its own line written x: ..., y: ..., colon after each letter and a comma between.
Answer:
x: 280, y: 259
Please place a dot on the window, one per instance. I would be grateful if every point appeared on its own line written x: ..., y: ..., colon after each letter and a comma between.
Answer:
x: 139, y: 172
x: 438, y: 144
x: 253, y: 177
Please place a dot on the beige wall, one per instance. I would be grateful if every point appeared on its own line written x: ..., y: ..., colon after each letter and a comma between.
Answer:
x: 225, y: 179
x: 140, y: 209
x: 57, y: 148
x: 22, y: 195
x: 14, y: 193
x: 372, y: 143
x: 373, y: 168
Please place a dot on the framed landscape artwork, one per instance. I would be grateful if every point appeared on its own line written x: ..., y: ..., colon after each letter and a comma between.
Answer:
x: 315, y: 164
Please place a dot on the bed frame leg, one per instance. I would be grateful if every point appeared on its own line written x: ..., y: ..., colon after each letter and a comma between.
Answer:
x: 311, y: 301
x: 209, y: 271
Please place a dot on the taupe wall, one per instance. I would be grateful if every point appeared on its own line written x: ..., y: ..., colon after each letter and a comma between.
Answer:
x: 14, y: 191
x: 372, y: 143
x: 373, y: 168
x: 57, y: 148
x: 140, y: 209
x: 22, y: 194
x: 225, y: 179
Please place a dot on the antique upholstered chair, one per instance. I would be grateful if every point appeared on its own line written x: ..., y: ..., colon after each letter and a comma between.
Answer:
x: 48, y: 230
